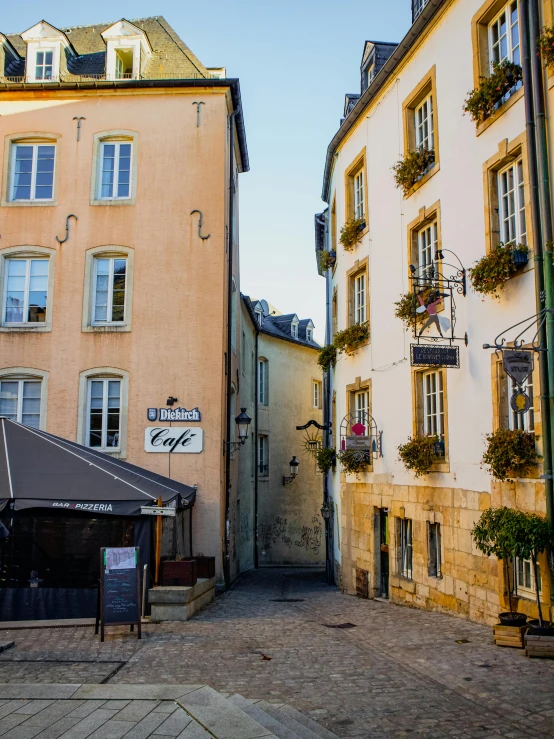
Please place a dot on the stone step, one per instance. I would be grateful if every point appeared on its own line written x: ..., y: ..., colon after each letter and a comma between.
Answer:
x: 251, y: 708
x: 220, y: 717
x: 305, y: 728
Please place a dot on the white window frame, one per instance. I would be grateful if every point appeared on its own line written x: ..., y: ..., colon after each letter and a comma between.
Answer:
x: 117, y: 143
x: 119, y: 75
x: 52, y: 77
x: 263, y: 455
x: 524, y: 421
x: 105, y: 380
x: 418, y: 7
x: 28, y: 259
x: 358, y: 184
x: 405, y: 531
x: 511, y: 204
x: 316, y: 393
x: 522, y: 589
x: 13, y: 157
x: 309, y: 334
x: 111, y: 260
x: 424, y: 124
x: 21, y: 383
x: 360, y: 297
x: 263, y: 382
x: 294, y: 329
x: 513, y: 50
x: 433, y: 403
x: 361, y: 408
x: 427, y: 245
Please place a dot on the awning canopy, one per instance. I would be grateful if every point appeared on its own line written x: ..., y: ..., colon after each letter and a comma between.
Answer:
x: 39, y: 470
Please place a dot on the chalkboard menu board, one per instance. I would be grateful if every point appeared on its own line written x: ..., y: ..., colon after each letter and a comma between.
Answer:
x: 119, y: 602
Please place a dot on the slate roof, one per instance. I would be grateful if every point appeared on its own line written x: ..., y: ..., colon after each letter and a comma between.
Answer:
x: 171, y: 57
x: 280, y: 326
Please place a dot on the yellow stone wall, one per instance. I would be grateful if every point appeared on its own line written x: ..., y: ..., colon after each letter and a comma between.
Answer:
x: 471, y: 585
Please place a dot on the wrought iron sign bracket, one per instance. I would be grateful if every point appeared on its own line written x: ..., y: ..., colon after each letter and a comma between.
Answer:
x: 320, y: 426
x: 359, y: 434
x: 535, y: 322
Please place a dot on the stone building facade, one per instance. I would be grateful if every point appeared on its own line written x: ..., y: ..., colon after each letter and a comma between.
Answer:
x: 395, y: 534
x: 282, y: 389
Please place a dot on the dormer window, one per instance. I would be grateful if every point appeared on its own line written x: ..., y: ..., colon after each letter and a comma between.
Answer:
x: 294, y: 329
x: 259, y: 316
x: 127, y: 51
x: 44, y: 65
x: 309, y: 334
x: 48, y: 53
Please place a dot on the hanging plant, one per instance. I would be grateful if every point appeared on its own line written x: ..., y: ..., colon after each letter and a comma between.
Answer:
x: 483, y: 100
x: 351, y: 461
x: 407, y: 305
x: 412, y: 167
x: 490, y: 273
x: 510, y: 453
x: 326, y: 260
x: 327, y: 357
x: 325, y: 458
x: 546, y: 44
x: 351, y: 338
x: 351, y: 232
x: 419, y: 453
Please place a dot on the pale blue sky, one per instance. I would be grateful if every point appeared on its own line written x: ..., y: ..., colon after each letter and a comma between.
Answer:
x: 296, y: 59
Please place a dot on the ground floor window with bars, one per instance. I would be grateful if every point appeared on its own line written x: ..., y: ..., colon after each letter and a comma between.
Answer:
x: 20, y: 401
x: 405, y: 554
x: 524, y: 578
x: 434, y: 542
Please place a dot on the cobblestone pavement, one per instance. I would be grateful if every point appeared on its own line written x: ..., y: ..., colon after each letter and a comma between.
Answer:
x: 399, y: 672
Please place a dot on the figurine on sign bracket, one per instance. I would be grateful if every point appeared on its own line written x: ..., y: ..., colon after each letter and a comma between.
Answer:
x: 430, y: 308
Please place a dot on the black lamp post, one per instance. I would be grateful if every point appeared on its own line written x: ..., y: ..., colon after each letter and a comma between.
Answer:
x: 243, y: 422
x: 294, y: 465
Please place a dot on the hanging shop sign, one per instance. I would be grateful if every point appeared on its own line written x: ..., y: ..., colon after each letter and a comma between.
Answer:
x: 358, y: 443
x: 517, y: 364
x: 174, y: 414
x: 434, y: 355
x: 174, y: 439
x: 154, y: 510
x: 520, y: 402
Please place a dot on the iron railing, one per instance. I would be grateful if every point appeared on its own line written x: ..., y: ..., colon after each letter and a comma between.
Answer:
x: 105, y: 78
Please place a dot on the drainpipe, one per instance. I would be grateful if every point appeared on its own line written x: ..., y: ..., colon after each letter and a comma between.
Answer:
x: 228, y: 369
x: 329, y: 538
x: 541, y: 215
x: 256, y: 390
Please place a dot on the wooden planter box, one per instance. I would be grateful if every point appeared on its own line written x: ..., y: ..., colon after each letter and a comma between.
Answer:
x: 539, y: 646
x: 179, y: 573
x: 509, y: 636
x: 205, y: 567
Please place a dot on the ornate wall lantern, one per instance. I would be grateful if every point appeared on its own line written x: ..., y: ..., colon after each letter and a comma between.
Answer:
x: 294, y: 465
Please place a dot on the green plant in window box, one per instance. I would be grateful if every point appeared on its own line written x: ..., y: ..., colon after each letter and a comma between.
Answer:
x: 491, y: 272
x: 510, y: 453
x: 327, y: 357
x: 351, y: 232
x: 546, y: 44
x: 419, y: 453
x: 412, y: 167
x: 483, y: 100
x: 407, y: 305
x: 326, y: 260
x: 325, y: 458
x: 351, y: 338
x: 353, y: 461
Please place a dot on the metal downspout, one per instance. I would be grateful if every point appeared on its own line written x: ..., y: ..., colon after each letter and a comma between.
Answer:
x: 228, y: 369
x: 256, y: 390
x: 548, y: 236
x: 528, y: 33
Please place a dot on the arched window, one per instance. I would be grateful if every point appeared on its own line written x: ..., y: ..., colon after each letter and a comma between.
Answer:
x: 26, y: 285
x: 108, y: 286
x: 103, y: 409
x: 24, y: 395
x: 114, y: 168
x: 31, y: 171
x: 263, y: 381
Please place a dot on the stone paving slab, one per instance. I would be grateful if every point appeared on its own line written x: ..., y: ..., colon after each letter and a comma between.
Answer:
x: 400, y: 672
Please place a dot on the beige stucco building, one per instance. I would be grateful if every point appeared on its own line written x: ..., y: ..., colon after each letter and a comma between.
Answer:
x: 281, y: 387
x: 119, y: 254
x: 396, y: 534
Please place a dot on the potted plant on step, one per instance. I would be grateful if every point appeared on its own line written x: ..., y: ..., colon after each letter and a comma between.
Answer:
x: 497, y: 533
x: 534, y: 535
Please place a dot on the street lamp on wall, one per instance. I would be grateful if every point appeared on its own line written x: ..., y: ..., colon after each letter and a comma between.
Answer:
x: 243, y: 422
x: 294, y: 465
